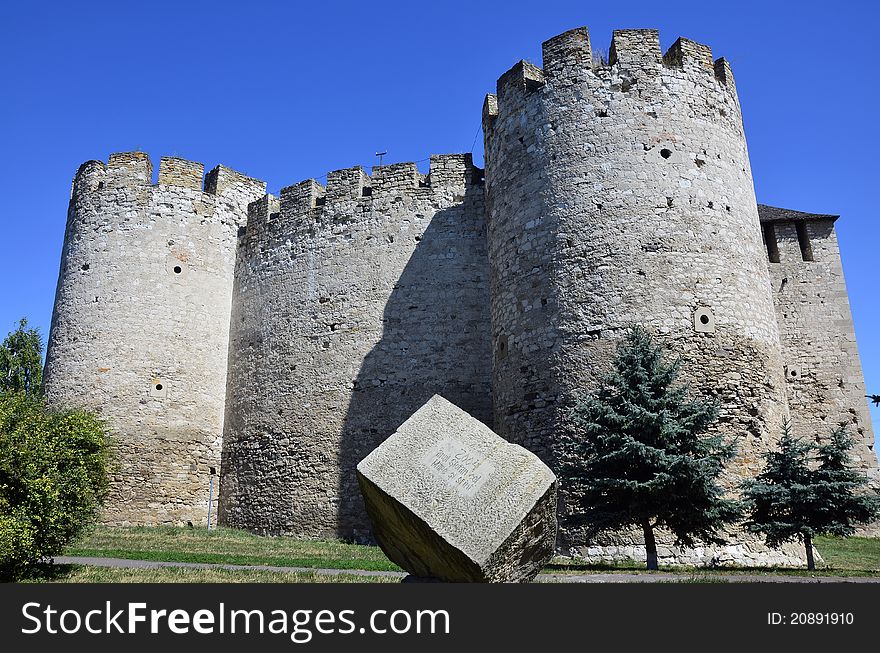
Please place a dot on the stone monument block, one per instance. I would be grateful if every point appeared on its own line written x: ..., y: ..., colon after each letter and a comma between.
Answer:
x: 449, y: 499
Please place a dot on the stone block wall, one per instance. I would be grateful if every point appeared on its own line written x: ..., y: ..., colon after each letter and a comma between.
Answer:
x: 823, y: 373
x: 354, y: 303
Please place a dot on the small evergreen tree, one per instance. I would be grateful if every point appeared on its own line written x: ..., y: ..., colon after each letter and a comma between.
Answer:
x: 789, y: 500
x: 640, y: 455
x: 21, y: 360
x: 844, y: 498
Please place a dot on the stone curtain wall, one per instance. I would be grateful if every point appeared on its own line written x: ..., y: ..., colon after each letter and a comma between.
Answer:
x: 622, y: 195
x: 353, y: 305
x: 823, y: 373
x: 140, y: 327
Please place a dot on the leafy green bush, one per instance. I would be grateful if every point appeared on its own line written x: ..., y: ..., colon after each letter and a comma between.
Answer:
x: 53, y: 478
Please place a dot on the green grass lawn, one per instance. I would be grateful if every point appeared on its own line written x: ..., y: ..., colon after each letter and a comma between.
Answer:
x: 843, y: 557
x: 850, y: 553
x: 83, y: 574
x: 226, y: 546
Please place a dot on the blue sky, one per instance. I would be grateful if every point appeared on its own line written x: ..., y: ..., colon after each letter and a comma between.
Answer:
x: 284, y: 91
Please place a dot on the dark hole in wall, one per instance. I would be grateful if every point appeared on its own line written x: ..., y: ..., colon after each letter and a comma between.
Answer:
x: 532, y: 85
x: 804, y: 241
x: 177, y: 269
x: 85, y: 266
x: 770, y: 242
x: 666, y: 153
x: 159, y: 386
x: 704, y: 319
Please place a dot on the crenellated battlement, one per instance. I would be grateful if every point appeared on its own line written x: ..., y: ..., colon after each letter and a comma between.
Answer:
x: 130, y: 168
x: 350, y: 194
x: 522, y: 78
x: 135, y: 169
x: 685, y: 53
x: 635, y: 49
x: 635, y: 59
x: 567, y: 53
x: 174, y: 171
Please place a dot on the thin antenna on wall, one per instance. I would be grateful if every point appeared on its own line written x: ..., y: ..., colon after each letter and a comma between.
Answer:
x: 380, y: 155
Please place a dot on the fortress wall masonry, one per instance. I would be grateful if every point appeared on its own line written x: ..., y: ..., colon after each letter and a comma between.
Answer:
x: 823, y: 374
x: 354, y: 303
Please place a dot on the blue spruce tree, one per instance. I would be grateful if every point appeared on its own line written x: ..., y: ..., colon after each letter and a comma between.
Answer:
x: 641, y: 455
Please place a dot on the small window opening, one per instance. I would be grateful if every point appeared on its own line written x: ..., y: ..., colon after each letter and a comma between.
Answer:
x: 159, y: 386
x: 85, y: 266
x: 704, y: 319
x: 177, y: 269
x: 804, y: 241
x: 501, y: 347
x: 320, y: 201
x: 100, y: 185
x: 366, y: 191
x: 770, y: 242
x: 665, y: 153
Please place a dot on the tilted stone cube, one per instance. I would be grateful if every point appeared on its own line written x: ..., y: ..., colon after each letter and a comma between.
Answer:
x: 450, y: 499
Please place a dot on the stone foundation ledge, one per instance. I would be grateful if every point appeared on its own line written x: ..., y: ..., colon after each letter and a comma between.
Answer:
x: 751, y: 554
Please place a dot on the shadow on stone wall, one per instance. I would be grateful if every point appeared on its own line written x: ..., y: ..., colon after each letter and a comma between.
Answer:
x: 436, y: 339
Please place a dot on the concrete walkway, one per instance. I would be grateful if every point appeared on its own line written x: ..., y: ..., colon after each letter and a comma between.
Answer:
x: 123, y: 563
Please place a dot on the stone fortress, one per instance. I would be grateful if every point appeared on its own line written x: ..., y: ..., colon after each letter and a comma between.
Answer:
x: 278, y: 340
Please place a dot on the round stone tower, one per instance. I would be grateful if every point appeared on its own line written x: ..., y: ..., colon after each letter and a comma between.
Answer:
x: 140, y: 328
x: 620, y: 194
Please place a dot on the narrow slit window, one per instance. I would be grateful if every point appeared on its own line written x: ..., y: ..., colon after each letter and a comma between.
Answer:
x: 804, y: 241
x: 770, y: 242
